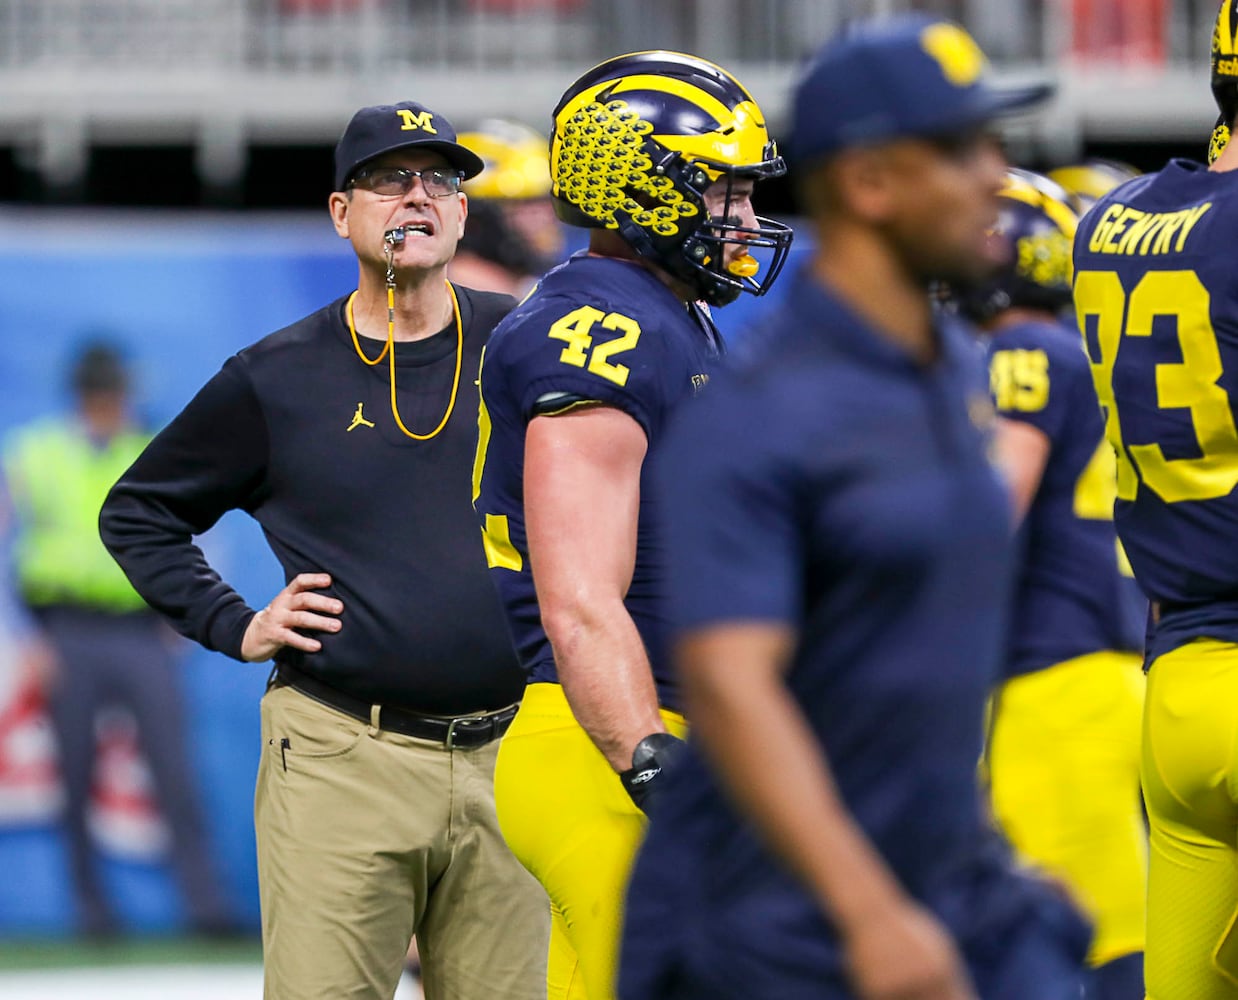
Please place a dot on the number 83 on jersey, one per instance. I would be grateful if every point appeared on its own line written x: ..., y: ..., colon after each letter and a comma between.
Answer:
x: 1187, y: 390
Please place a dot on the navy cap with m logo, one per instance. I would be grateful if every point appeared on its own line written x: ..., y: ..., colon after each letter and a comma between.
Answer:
x: 383, y: 128
x: 906, y: 76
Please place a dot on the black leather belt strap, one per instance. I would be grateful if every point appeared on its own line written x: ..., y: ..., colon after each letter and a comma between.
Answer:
x: 463, y: 732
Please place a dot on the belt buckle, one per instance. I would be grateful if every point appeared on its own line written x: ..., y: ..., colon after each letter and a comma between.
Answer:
x: 464, y: 721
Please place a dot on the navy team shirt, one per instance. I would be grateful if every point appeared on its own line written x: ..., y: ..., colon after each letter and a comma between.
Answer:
x: 836, y: 486
x: 1156, y: 294
x: 1071, y: 597
x: 594, y: 329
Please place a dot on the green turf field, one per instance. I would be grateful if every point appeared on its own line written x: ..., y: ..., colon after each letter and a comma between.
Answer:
x: 67, y: 954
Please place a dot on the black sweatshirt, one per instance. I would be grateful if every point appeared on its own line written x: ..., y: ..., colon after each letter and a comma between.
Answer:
x: 388, y: 517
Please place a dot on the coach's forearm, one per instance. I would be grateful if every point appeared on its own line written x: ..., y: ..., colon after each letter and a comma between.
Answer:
x: 606, y: 677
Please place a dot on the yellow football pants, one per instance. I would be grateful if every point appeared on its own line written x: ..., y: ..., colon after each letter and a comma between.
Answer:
x: 1190, y: 785
x: 1064, y: 775
x: 566, y: 816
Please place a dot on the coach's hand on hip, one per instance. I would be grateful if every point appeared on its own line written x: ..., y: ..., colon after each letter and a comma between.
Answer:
x: 294, y: 607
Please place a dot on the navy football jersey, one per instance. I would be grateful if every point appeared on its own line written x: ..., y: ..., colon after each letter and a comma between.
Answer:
x: 594, y: 329
x: 1071, y: 598
x: 1156, y: 294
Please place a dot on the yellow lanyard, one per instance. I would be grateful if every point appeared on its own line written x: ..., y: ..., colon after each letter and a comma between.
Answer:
x: 389, y: 351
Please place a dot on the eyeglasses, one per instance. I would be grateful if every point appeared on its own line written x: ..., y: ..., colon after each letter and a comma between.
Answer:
x: 392, y: 181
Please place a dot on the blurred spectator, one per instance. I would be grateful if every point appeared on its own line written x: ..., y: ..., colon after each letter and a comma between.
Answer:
x: 512, y: 235
x: 90, y: 640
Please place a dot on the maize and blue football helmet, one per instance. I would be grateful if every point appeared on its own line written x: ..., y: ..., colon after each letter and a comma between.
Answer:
x: 1089, y: 180
x: 1036, y: 222
x: 637, y: 141
x: 515, y: 157
x: 1223, y: 76
x: 511, y: 221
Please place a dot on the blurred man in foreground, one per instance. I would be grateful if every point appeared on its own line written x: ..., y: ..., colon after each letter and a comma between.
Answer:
x: 840, y: 566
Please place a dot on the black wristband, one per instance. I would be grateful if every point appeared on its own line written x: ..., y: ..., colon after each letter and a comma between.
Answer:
x: 644, y: 779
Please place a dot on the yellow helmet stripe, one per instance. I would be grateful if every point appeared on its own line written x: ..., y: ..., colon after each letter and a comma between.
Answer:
x: 1029, y: 194
x: 684, y: 55
x: 1082, y: 180
x: 740, y: 139
x: 1226, y: 41
x: 743, y: 145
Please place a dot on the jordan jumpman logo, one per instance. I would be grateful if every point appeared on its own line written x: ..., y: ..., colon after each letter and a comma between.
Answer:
x: 358, y: 420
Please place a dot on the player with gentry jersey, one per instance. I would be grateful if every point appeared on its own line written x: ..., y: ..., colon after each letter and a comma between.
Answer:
x: 658, y: 153
x: 1063, y: 752
x: 1154, y: 294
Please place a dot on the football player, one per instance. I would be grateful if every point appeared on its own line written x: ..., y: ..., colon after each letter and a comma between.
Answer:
x: 1087, y: 181
x: 658, y: 154
x: 1063, y: 755
x: 513, y: 236
x: 1154, y: 295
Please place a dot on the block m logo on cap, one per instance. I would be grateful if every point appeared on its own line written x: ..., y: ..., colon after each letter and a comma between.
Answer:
x: 412, y: 121
x: 955, y: 51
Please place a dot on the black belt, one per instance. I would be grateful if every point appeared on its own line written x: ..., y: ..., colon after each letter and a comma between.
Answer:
x: 454, y: 732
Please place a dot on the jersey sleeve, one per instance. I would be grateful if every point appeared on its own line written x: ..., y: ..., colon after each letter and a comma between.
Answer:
x: 210, y: 459
x: 1032, y: 380
x: 730, y: 520
x: 565, y: 352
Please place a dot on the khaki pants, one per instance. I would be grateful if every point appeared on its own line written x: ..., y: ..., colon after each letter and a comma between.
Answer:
x: 366, y: 837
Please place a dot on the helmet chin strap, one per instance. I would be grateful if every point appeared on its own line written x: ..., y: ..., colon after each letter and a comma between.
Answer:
x: 639, y: 240
x: 634, y: 236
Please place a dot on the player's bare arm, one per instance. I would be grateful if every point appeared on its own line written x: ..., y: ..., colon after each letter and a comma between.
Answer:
x: 1021, y: 452
x: 297, y: 606
x: 747, y: 722
x: 582, y: 497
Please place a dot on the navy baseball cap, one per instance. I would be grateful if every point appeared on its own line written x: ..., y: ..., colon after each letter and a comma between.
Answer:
x: 386, y: 127
x: 907, y: 76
